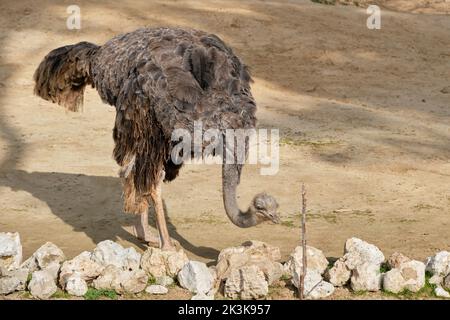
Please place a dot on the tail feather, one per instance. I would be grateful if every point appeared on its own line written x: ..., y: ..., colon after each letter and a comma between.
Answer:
x: 64, y: 73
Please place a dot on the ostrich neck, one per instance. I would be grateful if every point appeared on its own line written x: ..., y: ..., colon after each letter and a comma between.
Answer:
x: 230, y: 181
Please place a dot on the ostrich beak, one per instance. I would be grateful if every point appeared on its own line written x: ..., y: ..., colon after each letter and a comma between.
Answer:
x: 275, y: 218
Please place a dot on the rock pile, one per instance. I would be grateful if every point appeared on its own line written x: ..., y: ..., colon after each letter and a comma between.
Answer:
x: 243, y: 272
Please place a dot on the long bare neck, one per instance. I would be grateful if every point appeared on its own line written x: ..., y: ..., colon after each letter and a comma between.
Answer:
x: 230, y: 181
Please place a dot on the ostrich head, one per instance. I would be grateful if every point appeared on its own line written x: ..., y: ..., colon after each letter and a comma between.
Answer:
x: 264, y: 207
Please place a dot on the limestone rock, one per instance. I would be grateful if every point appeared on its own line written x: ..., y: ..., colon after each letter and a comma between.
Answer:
x: 196, y: 277
x: 165, y: 281
x: 436, y: 279
x: 14, y: 280
x: 393, y: 281
x: 10, y: 250
x: 156, y: 289
x: 315, y: 259
x: 247, y: 282
x: 48, y: 255
x: 439, y: 264
x: 315, y: 286
x: 447, y: 282
x: 42, y: 284
x: 30, y: 264
x: 157, y: 262
x: 339, y: 274
x: 111, y: 253
x: 75, y: 285
x: 396, y: 260
x: 84, y: 265
x: 121, y: 281
x: 8, y: 285
x: 358, y: 252
x: 441, y: 292
x: 253, y: 252
x: 414, y: 274
x: 213, y: 272
x: 366, y: 277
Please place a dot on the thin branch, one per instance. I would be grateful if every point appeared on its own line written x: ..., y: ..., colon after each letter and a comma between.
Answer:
x: 301, y: 286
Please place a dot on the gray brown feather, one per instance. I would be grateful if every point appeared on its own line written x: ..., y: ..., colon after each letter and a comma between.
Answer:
x: 158, y: 79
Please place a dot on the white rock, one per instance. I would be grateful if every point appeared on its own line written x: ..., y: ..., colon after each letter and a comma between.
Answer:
x: 366, y: 277
x: 202, y: 297
x: 111, y: 253
x: 165, y: 281
x: 108, y: 279
x: 157, y: 262
x: 396, y: 260
x: 315, y: 259
x: 254, y: 246
x: 441, y: 292
x: 253, y: 252
x: 30, y: 264
x: 447, y: 282
x: 53, y: 269
x: 213, y: 272
x: 10, y: 250
x: 76, y: 286
x: 414, y: 274
x: 84, y: 265
x: 439, y: 264
x: 247, y: 282
x: 14, y: 280
x: 323, y: 290
x: 314, y: 287
x: 358, y: 252
x: 436, y: 279
x: 339, y: 274
x: 156, y: 289
x: 48, y: 255
x: 42, y: 284
x: 9, y: 285
x: 196, y: 277
x: 393, y: 281
x: 121, y: 281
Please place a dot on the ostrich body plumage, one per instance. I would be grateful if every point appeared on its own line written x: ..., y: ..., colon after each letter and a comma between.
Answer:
x: 159, y: 80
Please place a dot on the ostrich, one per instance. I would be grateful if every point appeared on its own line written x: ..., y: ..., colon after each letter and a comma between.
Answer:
x: 159, y: 80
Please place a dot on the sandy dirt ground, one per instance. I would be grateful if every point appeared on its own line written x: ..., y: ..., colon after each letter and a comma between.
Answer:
x: 363, y: 115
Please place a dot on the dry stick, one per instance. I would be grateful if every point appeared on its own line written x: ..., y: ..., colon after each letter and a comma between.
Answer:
x: 301, y: 286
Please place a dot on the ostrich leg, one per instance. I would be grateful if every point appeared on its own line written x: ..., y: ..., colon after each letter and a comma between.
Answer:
x: 155, y: 194
x: 142, y: 229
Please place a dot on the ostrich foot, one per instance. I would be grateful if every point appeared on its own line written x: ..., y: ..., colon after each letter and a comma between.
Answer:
x: 142, y: 230
x: 146, y: 236
x: 173, y: 245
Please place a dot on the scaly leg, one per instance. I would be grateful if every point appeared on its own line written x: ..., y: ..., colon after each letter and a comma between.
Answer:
x: 142, y: 229
x: 155, y: 194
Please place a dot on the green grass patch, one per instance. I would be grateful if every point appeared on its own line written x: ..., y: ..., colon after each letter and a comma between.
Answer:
x: 288, y: 223
x: 60, y: 294
x: 94, y: 294
x: 29, y: 277
x: 286, y: 277
x: 384, y: 268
